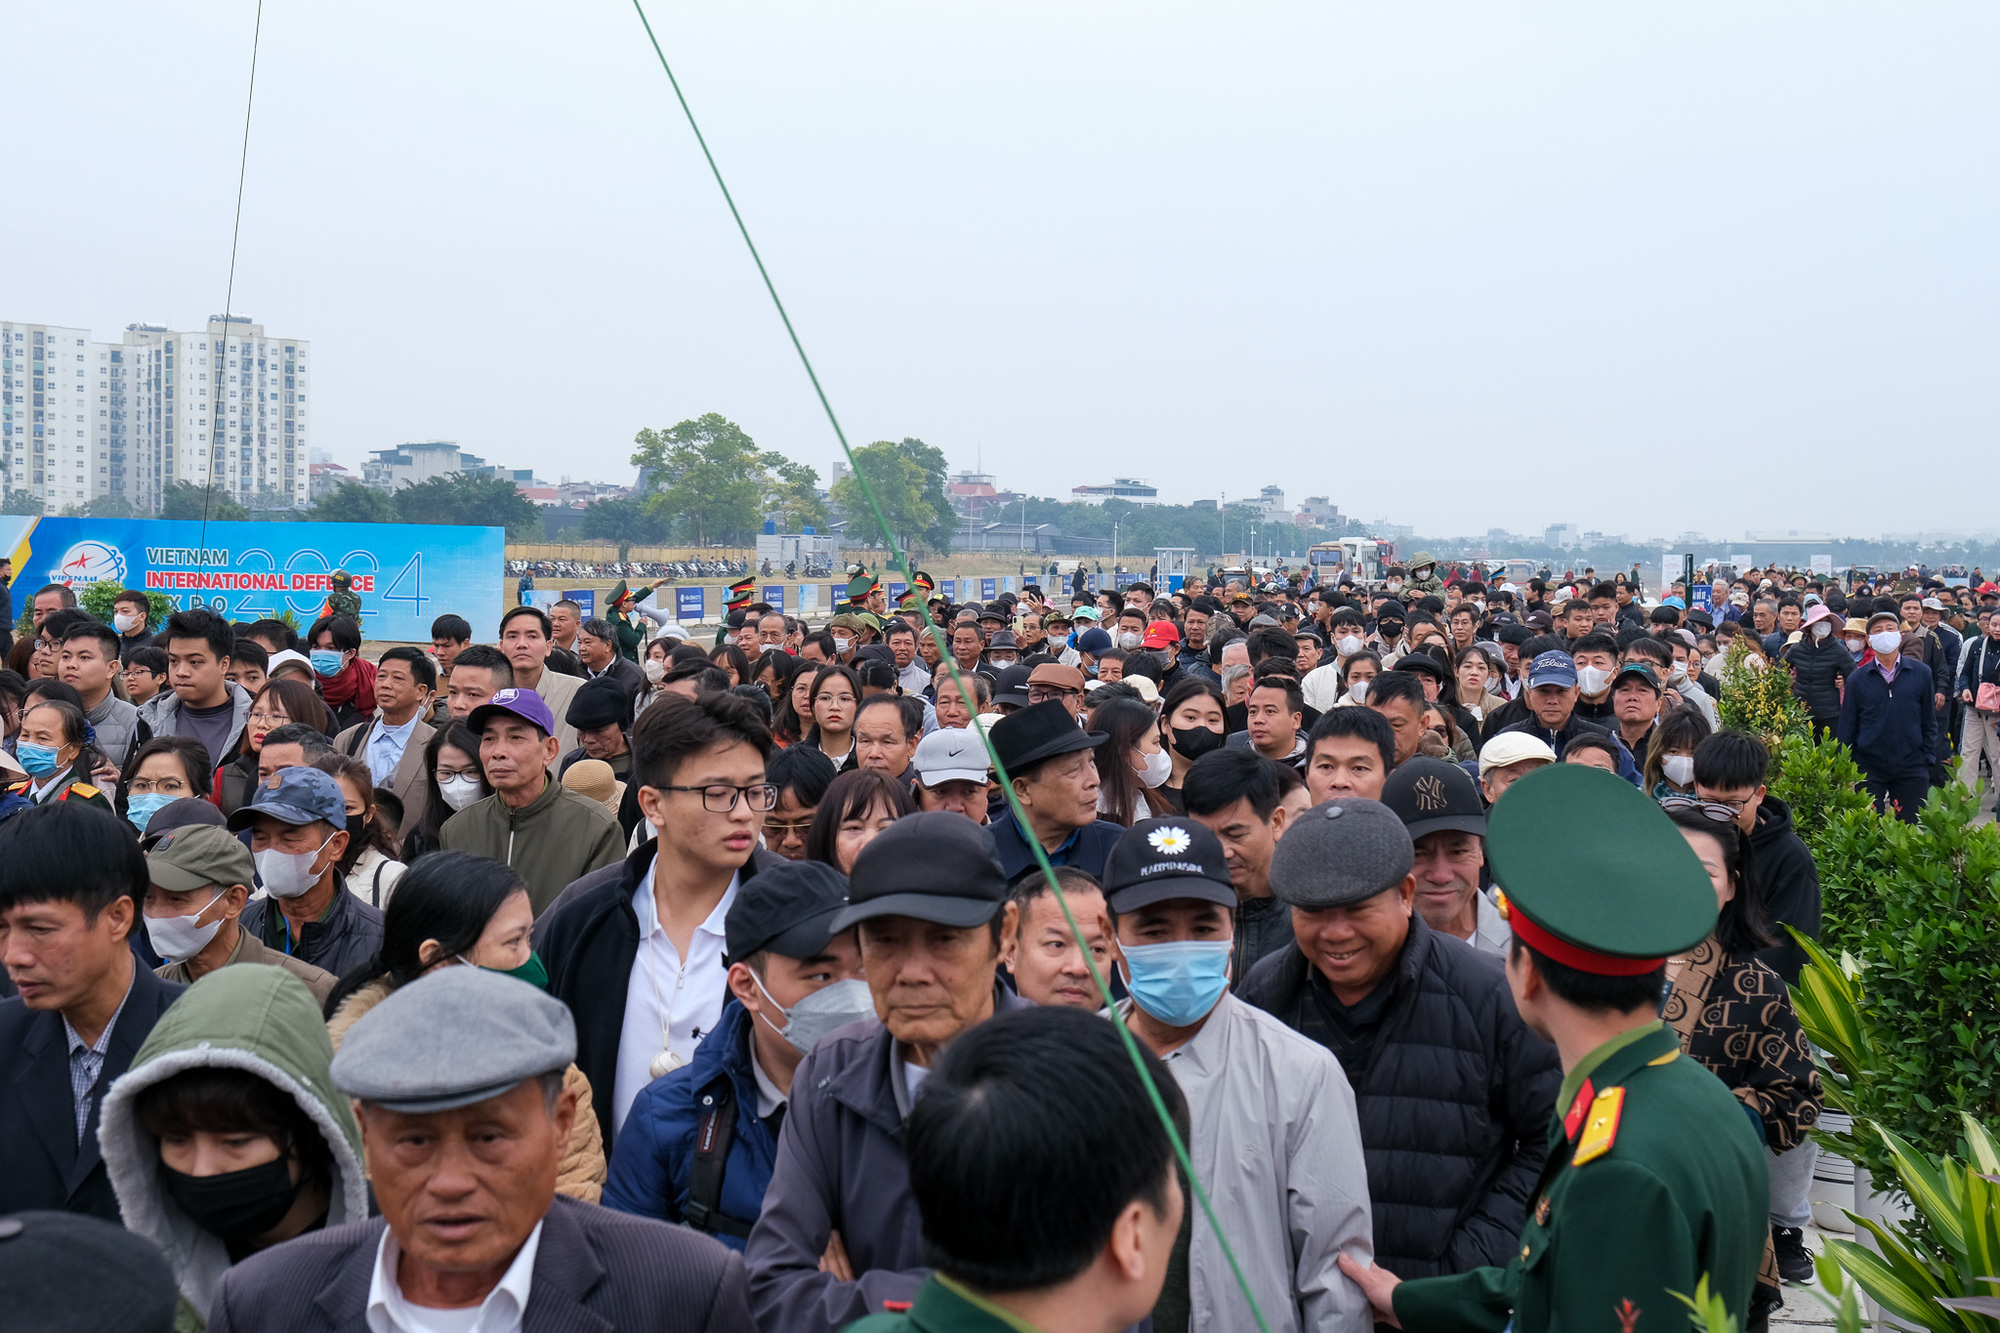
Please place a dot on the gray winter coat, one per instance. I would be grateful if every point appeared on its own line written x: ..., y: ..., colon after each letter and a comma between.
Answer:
x: 161, y: 713
x: 841, y: 1168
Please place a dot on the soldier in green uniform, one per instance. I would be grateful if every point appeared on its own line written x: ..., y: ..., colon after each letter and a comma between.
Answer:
x: 57, y: 749
x: 341, y: 599
x: 1039, y: 1208
x: 1655, y: 1176
x: 619, y: 609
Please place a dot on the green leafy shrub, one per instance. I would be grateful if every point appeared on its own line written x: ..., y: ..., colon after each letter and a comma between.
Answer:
x: 96, y: 599
x: 1761, y: 701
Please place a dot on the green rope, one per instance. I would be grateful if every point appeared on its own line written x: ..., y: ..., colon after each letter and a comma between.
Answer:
x: 899, y: 563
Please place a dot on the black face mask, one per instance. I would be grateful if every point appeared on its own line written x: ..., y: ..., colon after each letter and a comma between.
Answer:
x: 1194, y: 742
x: 235, y: 1205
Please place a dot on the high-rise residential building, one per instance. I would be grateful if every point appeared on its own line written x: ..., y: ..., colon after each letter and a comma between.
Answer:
x: 226, y: 405
x: 81, y: 419
x: 53, y: 443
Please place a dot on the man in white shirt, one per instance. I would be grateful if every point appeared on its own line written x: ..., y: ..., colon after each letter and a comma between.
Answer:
x: 458, y: 1083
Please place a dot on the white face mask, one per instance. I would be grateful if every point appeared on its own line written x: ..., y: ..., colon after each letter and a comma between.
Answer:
x: 1822, y: 628
x: 1886, y: 642
x: 288, y: 874
x: 1394, y: 585
x: 841, y: 644
x: 1358, y: 691
x: 1130, y: 639
x: 1679, y: 673
x: 655, y: 669
x: 1155, y: 768
x: 1349, y: 644
x: 124, y: 623
x: 821, y: 1012
x: 1855, y: 645
x: 179, y: 937
x: 460, y: 791
x: 1679, y: 769
x: 1592, y: 680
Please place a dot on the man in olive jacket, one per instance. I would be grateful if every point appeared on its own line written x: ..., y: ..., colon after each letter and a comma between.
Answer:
x: 546, y: 832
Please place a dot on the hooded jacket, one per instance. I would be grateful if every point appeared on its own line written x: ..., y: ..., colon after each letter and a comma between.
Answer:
x: 580, y: 1173
x: 1788, y: 881
x: 161, y: 714
x: 258, y: 1019
x: 1818, y: 668
x: 556, y: 839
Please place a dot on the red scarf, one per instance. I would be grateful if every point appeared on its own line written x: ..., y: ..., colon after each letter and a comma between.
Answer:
x: 354, y: 685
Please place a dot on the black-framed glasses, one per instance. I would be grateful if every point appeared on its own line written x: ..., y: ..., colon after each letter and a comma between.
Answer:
x: 1041, y: 694
x: 1712, y: 810
x: 718, y: 799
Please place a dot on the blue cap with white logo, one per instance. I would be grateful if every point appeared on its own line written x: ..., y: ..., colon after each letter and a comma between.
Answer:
x: 1552, y: 668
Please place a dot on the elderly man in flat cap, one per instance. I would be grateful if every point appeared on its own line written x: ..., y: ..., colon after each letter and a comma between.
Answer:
x: 458, y: 1083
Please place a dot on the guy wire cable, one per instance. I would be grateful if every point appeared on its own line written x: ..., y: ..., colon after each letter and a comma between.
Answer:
x: 235, y: 231
x: 899, y: 563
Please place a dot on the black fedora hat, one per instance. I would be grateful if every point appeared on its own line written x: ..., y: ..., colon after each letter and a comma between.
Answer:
x: 1037, y: 732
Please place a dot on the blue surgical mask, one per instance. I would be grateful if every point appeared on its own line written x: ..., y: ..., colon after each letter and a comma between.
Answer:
x: 1177, y: 983
x: 325, y: 661
x: 38, y: 761
x: 141, y: 808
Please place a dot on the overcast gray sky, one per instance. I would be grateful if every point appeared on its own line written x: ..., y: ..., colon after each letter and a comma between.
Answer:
x: 1641, y: 268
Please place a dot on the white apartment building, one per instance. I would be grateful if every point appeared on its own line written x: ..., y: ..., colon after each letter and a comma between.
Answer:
x: 227, y: 404
x: 81, y: 419
x: 52, y: 440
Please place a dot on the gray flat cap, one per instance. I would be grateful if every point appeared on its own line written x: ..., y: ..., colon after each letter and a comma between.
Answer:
x: 1337, y: 854
x: 452, y: 1038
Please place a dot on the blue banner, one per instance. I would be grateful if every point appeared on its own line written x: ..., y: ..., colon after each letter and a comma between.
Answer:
x: 950, y: 589
x: 406, y: 574
x: 897, y: 590
x: 687, y: 603
x: 774, y: 593
x: 988, y: 589
x: 1701, y: 596
x: 586, y: 602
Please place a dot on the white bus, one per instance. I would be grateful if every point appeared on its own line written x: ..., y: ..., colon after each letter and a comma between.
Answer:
x: 1360, y: 558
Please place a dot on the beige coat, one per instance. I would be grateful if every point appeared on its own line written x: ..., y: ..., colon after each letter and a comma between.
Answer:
x: 580, y: 1174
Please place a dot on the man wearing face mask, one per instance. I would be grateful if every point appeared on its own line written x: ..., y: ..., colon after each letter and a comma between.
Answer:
x: 1131, y: 631
x: 1596, y: 658
x: 201, y: 878
x: 1889, y: 721
x: 298, y: 831
x: 1275, y: 1137
x: 698, y: 1145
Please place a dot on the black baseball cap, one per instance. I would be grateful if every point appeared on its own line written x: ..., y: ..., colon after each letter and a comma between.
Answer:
x: 1159, y: 859
x: 787, y: 909
x: 1429, y: 795
x: 935, y: 866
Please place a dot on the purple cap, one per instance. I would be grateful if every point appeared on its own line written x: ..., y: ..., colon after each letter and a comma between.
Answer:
x: 524, y: 704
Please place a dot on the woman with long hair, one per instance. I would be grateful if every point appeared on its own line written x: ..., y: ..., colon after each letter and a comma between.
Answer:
x: 654, y: 663
x: 454, y: 909
x: 733, y: 660
x: 1356, y: 674
x: 857, y: 806
x: 1191, y: 724
x: 166, y: 769
x: 801, y: 774
x: 835, y: 699
x: 769, y: 672
x: 278, y: 704
x: 791, y: 718
x: 1131, y: 763
x: 456, y: 778
x: 1669, y: 767
x: 369, y: 865
x: 1733, y: 1013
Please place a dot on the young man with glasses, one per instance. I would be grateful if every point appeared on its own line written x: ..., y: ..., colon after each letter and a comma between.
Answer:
x: 550, y: 835
x: 636, y: 950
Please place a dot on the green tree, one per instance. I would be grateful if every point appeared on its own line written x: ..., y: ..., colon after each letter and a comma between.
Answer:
x: 491, y: 502
x: 352, y: 502
x: 629, y: 522
x: 908, y: 480
x: 110, y: 506
x: 21, y: 502
x: 792, y: 494
x: 185, y: 500
x: 707, y: 475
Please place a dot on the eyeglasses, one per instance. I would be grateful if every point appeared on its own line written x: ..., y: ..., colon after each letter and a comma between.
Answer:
x: 273, y: 720
x: 1041, y: 694
x: 786, y: 828
x: 1716, y: 811
x: 718, y: 799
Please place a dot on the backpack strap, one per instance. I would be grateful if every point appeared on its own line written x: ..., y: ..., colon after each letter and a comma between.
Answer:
x: 714, y: 1132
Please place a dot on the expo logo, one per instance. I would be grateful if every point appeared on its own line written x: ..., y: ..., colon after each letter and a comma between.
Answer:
x: 89, y: 562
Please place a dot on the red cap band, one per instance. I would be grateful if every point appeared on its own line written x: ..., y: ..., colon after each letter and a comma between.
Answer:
x: 1569, y: 955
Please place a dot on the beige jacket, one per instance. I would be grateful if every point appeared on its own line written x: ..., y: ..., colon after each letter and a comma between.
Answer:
x: 580, y: 1174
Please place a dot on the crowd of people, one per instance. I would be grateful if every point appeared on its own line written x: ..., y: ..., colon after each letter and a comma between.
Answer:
x: 359, y: 989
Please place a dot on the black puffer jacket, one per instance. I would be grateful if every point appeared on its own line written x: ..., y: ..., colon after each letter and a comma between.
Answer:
x: 1454, y: 1102
x: 1818, y: 668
